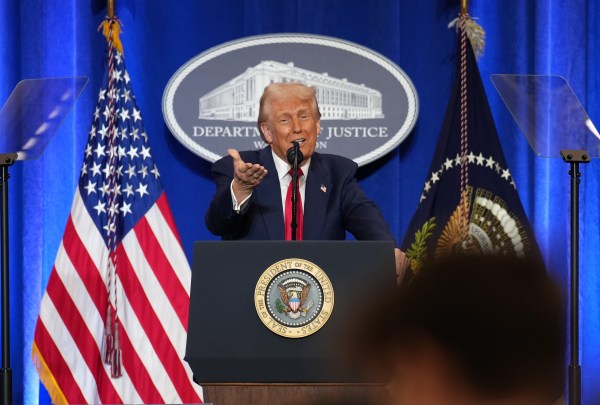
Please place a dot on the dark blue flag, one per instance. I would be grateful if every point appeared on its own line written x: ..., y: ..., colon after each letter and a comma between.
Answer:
x: 468, y: 162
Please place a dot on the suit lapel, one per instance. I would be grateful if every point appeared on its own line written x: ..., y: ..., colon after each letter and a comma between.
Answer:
x: 268, y: 197
x: 318, y: 188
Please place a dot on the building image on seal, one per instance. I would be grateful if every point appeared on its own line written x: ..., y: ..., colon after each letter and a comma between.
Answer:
x: 339, y: 99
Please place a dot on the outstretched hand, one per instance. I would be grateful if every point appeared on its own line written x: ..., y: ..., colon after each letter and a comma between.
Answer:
x: 246, y: 176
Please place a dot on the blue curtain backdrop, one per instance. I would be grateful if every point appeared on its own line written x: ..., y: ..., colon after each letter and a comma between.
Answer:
x: 58, y: 38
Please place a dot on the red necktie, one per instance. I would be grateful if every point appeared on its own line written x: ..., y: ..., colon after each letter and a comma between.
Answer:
x: 288, y: 211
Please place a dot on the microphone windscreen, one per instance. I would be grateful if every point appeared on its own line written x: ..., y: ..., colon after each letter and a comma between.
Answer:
x: 291, y: 154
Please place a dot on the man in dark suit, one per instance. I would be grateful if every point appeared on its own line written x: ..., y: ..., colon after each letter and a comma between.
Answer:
x: 253, y: 197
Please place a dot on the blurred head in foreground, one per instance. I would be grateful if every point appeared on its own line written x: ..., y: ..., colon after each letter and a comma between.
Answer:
x: 473, y: 330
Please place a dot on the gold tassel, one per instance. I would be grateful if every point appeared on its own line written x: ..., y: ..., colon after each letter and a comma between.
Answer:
x: 106, y: 26
x: 475, y: 33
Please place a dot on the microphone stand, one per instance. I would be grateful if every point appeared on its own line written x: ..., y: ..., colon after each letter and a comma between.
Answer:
x: 294, y: 156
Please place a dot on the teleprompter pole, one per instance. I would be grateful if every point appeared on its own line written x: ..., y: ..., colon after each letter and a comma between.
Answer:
x: 574, y: 366
x: 574, y: 158
x: 6, y: 160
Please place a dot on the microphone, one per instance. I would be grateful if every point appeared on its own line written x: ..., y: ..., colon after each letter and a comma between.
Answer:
x: 295, y: 157
x: 293, y: 152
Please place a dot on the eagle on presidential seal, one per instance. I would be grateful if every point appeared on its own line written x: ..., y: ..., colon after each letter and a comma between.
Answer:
x: 294, y: 297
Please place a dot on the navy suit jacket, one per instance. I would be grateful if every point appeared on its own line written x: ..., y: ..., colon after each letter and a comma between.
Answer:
x: 334, y: 203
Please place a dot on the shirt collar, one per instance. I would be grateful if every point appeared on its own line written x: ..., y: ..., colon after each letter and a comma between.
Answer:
x: 284, y: 167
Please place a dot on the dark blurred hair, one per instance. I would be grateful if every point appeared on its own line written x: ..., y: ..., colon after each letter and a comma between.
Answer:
x: 501, y: 319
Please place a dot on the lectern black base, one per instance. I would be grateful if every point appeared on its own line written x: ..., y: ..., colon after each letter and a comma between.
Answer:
x: 227, y: 342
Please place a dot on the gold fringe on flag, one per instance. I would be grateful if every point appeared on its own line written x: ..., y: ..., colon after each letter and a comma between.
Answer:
x: 56, y: 394
x: 111, y: 29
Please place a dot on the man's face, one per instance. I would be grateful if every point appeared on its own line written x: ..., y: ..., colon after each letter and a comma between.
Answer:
x: 291, y: 119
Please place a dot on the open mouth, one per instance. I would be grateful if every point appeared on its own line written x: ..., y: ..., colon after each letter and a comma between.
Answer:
x: 300, y: 141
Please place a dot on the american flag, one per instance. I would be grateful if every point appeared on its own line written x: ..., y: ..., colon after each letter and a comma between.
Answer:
x: 113, y: 321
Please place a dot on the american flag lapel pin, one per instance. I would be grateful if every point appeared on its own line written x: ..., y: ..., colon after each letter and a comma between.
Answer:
x: 323, y: 188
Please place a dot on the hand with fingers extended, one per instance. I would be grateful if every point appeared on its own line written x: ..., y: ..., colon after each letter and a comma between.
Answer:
x: 246, y: 176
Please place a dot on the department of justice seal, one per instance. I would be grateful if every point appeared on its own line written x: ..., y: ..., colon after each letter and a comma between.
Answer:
x: 368, y: 104
x: 294, y: 298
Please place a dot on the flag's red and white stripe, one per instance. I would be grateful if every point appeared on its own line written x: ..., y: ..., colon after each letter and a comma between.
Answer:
x: 153, y: 287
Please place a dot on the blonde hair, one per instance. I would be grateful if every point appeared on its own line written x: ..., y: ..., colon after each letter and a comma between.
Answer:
x: 300, y: 90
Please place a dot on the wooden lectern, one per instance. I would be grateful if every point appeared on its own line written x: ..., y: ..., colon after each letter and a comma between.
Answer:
x: 232, y: 347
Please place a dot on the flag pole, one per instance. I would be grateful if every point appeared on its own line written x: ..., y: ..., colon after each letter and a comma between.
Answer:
x: 464, y: 7
x: 110, y: 8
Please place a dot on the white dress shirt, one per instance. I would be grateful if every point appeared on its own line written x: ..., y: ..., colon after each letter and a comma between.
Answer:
x: 283, y: 168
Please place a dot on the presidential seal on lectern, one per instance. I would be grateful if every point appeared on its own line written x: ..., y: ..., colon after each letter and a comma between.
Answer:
x: 294, y: 298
